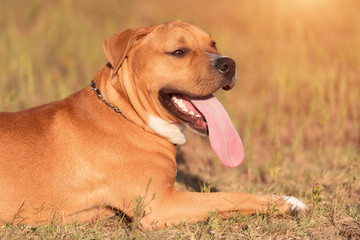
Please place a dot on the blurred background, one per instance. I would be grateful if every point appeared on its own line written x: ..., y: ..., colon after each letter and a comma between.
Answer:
x: 297, y: 100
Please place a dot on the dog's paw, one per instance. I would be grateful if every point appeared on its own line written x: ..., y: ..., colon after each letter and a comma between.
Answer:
x: 296, y: 204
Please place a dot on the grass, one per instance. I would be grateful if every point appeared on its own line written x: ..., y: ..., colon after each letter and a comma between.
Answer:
x: 296, y: 104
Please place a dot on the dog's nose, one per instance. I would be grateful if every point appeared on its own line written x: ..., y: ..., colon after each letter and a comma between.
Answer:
x: 226, y: 66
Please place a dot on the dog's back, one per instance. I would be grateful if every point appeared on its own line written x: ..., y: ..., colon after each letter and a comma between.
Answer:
x: 33, y: 144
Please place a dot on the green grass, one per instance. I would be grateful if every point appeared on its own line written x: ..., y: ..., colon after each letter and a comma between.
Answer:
x: 296, y: 104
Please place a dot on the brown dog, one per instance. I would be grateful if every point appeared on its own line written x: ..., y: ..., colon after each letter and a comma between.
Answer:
x: 98, y: 150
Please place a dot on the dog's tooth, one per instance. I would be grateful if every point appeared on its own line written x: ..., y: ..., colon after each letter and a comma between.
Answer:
x: 197, y: 115
x: 191, y: 113
x: 184, y: 108
x: 179, y: 102
x: 175, y: 99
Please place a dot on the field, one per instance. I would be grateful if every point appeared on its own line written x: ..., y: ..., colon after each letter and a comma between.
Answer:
x: 296, y: 104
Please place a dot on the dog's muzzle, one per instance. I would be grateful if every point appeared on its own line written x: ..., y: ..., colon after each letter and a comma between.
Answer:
x: 227, y: 67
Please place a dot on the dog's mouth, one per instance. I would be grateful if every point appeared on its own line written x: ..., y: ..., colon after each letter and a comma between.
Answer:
x: 206, y: 116
x: 181, y: 106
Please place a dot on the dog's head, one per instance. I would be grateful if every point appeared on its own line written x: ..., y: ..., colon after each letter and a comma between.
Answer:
x: 175, y: 68
x: 175, y: 61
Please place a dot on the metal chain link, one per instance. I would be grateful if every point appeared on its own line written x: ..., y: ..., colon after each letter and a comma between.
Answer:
x: 98, y: 93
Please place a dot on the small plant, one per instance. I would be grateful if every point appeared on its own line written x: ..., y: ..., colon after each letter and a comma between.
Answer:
x: 316, y: 192
x: 139, y: 211
x: 352, y: 176
x: 214, y: 221
x: 206, y: 188
x: 274, y: 172
x: 272, y: 210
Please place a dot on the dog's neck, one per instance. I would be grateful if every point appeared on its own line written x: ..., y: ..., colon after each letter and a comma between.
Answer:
x: 98, y: 93
x: 114, y: 95
x: 113, y: 92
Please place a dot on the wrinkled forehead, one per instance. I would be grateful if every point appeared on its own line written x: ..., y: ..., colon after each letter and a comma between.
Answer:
x: 183, y: 33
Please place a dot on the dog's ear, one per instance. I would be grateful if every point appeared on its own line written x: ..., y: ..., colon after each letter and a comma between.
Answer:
x: 117, y: 46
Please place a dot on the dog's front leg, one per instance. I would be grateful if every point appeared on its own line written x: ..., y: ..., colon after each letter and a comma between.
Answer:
x: 176, y: 206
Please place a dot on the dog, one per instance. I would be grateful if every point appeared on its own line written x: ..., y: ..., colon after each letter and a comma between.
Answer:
x: 95, y: 152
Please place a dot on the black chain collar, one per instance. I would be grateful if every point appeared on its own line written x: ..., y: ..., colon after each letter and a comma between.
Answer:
x: 98, y: 93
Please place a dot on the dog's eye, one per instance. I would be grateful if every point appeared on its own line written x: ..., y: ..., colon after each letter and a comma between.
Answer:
x: 179, y: 52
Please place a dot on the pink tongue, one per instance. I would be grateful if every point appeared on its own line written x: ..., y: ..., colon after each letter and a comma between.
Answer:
x: 224, y: 139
